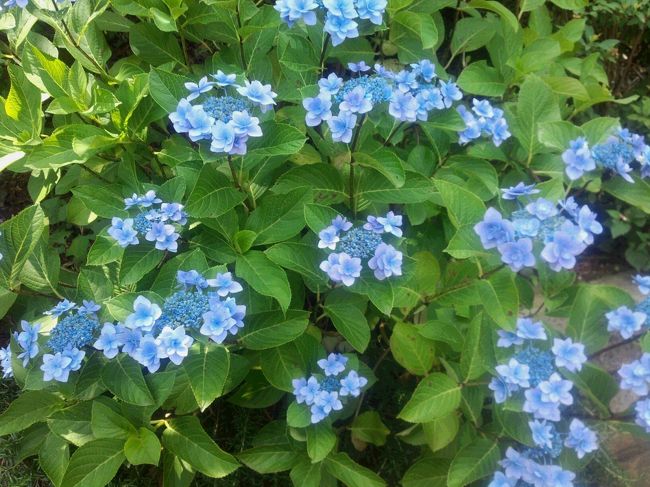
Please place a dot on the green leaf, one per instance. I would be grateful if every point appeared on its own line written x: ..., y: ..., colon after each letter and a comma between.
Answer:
x: 142, y: 447
x: 463, y: 206
x: 53, y: 458
x: 500, y: 298
x: 94, y: 464
x: 41, y: 271
x: 123, y: 377
x: 139, y: 260
x: 537, y: 104
x: 480, y: 79
x: 167, y: 88
x: 20, y: 235
x: 50, y: 74
x: 154, y: 45
x: 279, y: 217
x: 411, y: 350
x: 22, y: 108
x: 104, y: 250
x: 264, y: 276
x: 269, y: 458
x: 320, y: 441
x: 341, y: 466
x: 384, y: 161
x: 636, y: 194
x: 298, y: 415
x: 435, y: 396
x: 428, y: 472
x: 279, y: 139
x: 471, y: 33
x: 272, y: 328
x: 207, y: 368
x: 186, y: 438
x: 369, y: 428
x: 306, y: 474
x: 587, y: 316
x: 465, y: 244
x: 121, y: 306
x: 557, y: 135
x: 499, y: 8
x: 473, y: 462
x: 104, y: 201
x: 73, y: 423
x: 374, y: 187
x: 319, y: 217
x: 212, y: 195
x: 299, y: 257
x: 107, y: 423
x: 440, y: 432
x: 323, y: 179
x: 347, y: 315
x: 29, y: 408
x: 175, y: 472
x: 282, y: 364
x: 476, y: 356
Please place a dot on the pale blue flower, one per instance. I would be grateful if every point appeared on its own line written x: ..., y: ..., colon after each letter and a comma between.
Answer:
x: 521, y: 189
x: 237, y: 313
x: 225, y: 284
x: 109, y: 341
x: 302, y: 9
x: 329, y: 237
x: 330, y: 85
x: 406, y: 81
x: 472, y: 128
x: 56, y: 367
x: 148, y: 353
x: 317, y: 413
x: 144, y: 316
x: 494, y: 229
x: 391, y: 223
x: 560, y: 253
x: 625, y: 321
x: 581, y: 439
x: 223, y: 137
x: 305, y: 390
x: 501, y: 389
x: 174, y: 344
x: 222, y: 79
x: 191, y: 278
x: 569, y: 355
x: 403, y: 107
x: 351, y: 384
x: 588, y: 224
x: 426, y: 69
x: 359, y: 67
x: 642, y: 409
x: 530, y: 330
x: 514, y: 373
x: 149, y: 199
x: 373, y: 225
x: 557, y: 477
x: 28, y: 339
x: 578, y: 158
x: 341, y: 224
x: 518, y: 254
x: 179, y: 117
x: 239, y: 145
x: 542, y: 208
x: 130, y: 338
x: 540, y: 408
x: 542, y: 433
x: 5, y: 362
x: 200, y: 123
x: 341, y: 8
x: 340, y: 28
x: 244, y: 124
x: 386, y: 262
x: 258, y: 93
x: 356, y: 101
x: 60, y: 308
x: 88, y: 308
x: 636, y: 375
x: 508, y: 339
x: 500, y: 480
x: 328, y: 401
x: 318, y: 109
x: 173, y: 212
x: 159, y: 233
x: 556, y: 390
x: 569, y: 205
x: 482, y: 108
x: 216, y: 323
x: 341, y: 127
x: 450, y: 93
x: 372, y: 10
x: 515, y: 464
x: 76, y: 357
x: 196, y: 90
x: 526, y: 227
x: 500, y: 132
x: 643, y: 283
x: 334, y: 364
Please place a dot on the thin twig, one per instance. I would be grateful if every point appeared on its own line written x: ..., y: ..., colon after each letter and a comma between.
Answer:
x: 614, y: 346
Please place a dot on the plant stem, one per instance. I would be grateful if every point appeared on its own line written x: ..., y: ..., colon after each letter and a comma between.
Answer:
x: 323, y: 50
x: 614, y: 346
x: 353, y: 146
x: 241, y: 41
x: 393, y: 131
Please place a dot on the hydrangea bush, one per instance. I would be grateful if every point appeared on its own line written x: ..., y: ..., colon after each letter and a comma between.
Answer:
x: 305, y: 242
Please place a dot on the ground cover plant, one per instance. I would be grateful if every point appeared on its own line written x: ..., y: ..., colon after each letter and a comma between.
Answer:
x: 310, y: 242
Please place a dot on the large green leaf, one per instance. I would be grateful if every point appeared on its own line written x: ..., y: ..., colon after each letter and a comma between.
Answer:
x: 94, y: 464
x: 53, y: 457
x: 480, y: 79
x: 266, y: 277
x: 186, y: 438
x: 473, y: 462
x: 279, y: 217
x: 411, y: 350
x: 153, y: 45
x: 435, y: 396
x: 347, y: 315
x: 213, y: 194
x: 123, y: 377
x: 341, y: 466
x: 428, y: 472
x: 139, y: 260
x: 273, y: 328
x: 142, y: 447
x: 463, y: 206
x: 279, y: 139
x: 167, y: 88
x: 29, y: 408
x: 280, y: 365
x: 207, y: 368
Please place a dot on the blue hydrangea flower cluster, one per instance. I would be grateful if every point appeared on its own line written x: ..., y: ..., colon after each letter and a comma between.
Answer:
x: 620, y: 153
x: 483, y: 120
x: 558, y: 232
x: 533, y: 372
x: 158, y: 222
x: 361, y: 244
x: 340, y: 16
x: 411, y: 95
x: 224, y: 119
x: 635, y: 376
x: 326, y: 392
x: 149, y: 334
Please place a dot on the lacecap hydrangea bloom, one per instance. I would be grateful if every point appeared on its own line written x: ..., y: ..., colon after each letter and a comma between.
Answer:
x: 150, y: 334
x: 533, y: 373
x: 556, y: 232
x: 153, y: 221
x: 225, y: 119
x: 341, y: 17
x: 410, y: 95
x: 621, y: 153
x: 483, y: 120
x: 327, y: 391
x: 356, y: 245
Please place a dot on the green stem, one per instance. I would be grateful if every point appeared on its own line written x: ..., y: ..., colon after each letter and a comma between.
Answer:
x: 353, y: 146
x: 241, y: 41
x: 393, y: 131
x: 323, y: 50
